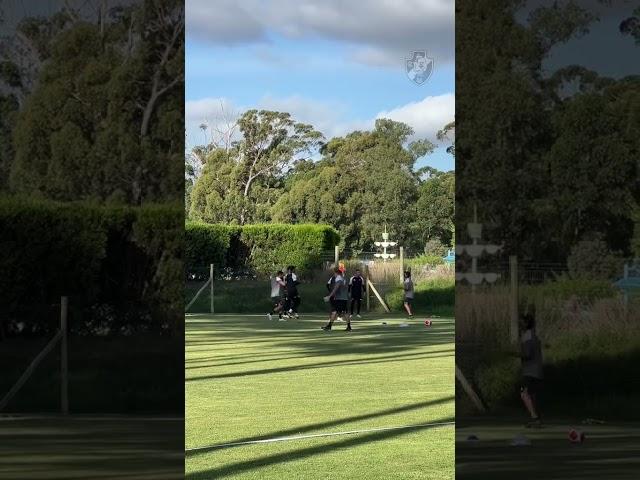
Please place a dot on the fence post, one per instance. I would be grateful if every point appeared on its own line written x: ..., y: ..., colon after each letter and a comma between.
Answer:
x: 513, y: 272
x: 64, y: 365
x: 336, y: 255
x: 211, y: 278
x: 401, y: 265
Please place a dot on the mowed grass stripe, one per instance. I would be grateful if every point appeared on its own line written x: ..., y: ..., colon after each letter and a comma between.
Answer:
x: 248, y: 378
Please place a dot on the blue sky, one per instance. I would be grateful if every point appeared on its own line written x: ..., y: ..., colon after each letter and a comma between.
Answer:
x: 328, y: 63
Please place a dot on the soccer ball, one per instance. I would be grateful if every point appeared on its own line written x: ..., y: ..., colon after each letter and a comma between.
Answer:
x: 427, y: 322
x: 575, y: 436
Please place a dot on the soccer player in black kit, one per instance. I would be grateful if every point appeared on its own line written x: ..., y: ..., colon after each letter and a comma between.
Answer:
x: 292, y: 297
x: 356, y: 286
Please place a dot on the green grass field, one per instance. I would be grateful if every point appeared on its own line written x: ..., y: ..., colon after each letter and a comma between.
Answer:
x: 611, y: 451
x: 90, y: 447
x: 248, y: 379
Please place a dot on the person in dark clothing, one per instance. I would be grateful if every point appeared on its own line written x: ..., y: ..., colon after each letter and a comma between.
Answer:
x: 532, y: 368
x: 292, y: 295
x: 338, y: 298
x: 356, y: 287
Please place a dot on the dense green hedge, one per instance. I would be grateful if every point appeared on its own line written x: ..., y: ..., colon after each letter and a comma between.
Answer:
x: 258, y: 248
x: 206, y: 243
x: 120, y: 266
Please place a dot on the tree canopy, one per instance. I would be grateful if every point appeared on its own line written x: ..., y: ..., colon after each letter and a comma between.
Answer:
x: 101, y: 104
x: 549, y: 159
x: 284, y: 171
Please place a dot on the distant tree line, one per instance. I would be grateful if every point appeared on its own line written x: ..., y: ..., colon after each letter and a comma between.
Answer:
x: 283, y: 171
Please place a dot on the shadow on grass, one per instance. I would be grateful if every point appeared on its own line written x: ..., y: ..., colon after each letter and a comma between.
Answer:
x: 610, y: 457
x: 367, y: 337
x: 71, y: 447
x: 371, y: 360
x: 295, y: 455
x: 325, y: 425
x: 328, y: 364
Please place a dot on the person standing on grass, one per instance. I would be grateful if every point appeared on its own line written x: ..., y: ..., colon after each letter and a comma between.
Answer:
x: 408, y: 293
x: 293, y: 298
x: 277, y: 289
x: 339, y: 296
x: 356, y: 285
x: 532, y: 374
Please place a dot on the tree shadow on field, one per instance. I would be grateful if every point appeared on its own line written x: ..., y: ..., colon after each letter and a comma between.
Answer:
x: 72, y: 447
x: 610, y: 457
x: 302, y: 453
x: 324, y: 425
x: 368, y: 337
x: 326, y: 364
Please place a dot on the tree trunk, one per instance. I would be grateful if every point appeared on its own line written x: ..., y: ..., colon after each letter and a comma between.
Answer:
x: 146, y: 115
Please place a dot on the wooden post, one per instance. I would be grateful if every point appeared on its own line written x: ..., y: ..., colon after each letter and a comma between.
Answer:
x: 64, y: 366
x: 513, y: 304
x: 336, y: 256
x: 401, y: 265
x: 211, y: 278
x: 469, y: 390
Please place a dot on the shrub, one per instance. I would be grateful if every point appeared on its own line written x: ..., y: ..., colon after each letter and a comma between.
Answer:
x: 435, y: 248
x: 564, y: 288
x: 592, y: 259
x: 498, y: 382
x: 258, y: 248
x: 207, y: 243
x: 126, y: 261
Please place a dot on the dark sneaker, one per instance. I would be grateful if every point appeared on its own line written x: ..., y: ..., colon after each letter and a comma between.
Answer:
x: 326, y: 328
x: 348, y: 329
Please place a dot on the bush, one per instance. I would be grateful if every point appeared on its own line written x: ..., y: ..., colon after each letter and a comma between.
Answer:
x: 435, y: 248
x: 206, y: 243
x: 423, y: 261
x: 498, y: 382
x: 565, y: 288
x: 592, y: 259
x: 258, y: 248
x: 125, y: 262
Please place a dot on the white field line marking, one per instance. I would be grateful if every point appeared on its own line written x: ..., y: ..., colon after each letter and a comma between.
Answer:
x: 316, y: 435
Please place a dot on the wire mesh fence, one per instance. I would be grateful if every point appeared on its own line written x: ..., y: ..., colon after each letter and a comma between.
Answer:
x: 567, y: 310
x: 117, y: 357
x: 244, y: 289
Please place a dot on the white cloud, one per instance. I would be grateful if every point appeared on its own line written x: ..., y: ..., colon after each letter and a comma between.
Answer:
x: 207, y: 109
x: 324, y: 116
x: 426, y: 116
x: 378, y: 32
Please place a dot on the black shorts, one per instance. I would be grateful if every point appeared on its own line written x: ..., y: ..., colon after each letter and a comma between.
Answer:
x: 531, y: 384
x: 408, y: 300
x: 356, y: 297
x: 276, y: 300
x: 339, y: 306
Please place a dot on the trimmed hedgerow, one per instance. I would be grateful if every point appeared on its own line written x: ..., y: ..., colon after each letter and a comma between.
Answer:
x: 257, y: 248
x: 120, y: 266
x: 208, y: 243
